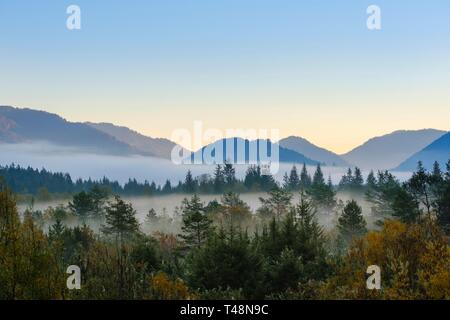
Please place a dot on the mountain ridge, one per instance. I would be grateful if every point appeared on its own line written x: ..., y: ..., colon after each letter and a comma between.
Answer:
x: 312, y: 151
x: 158, y: 147
x: 389, y: 150
x: 438, y: 150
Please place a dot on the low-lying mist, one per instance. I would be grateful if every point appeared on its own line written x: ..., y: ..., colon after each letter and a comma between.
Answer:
x: 166, y: 207
x: 81, y: 164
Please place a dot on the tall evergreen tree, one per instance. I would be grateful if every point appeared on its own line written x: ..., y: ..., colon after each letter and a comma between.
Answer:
x: 294, y: 180
x: 120, y: 220
x: 82, y: 205
x: 190, y: 185
x: 98, y: 195
x: 420, y: 185
x: 121, y: 224
x: 196, y: 224
x: 351, y: 223
x: 318, y: 179
x: 371, y: 181
x: 219, y: 179
x: 358, y: 180
x: 305, y: 179
x: 229, y: 174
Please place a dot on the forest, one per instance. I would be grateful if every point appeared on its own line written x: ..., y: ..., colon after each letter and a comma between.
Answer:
x: 223, y: 249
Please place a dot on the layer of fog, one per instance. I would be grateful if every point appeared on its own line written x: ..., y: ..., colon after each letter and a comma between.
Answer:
x: 84, y: 165
x: 167, y: 208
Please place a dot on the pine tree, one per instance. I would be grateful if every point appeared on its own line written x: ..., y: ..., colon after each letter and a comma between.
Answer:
x: 358, y: 180
x: 120, y: 219
x: 286, y: 185
x: 346, y: 179
x: 196, y: 224
x: 294, y: 180
x: 405, y: 207
x: 167, y: 187
x: 443, y: 208
x: 121, y: 225
x: 318, y: 179
x: 351, y: 223
x: 322, y: 194
x: 98, y: 196
x: 82, y: 205
x: 229, y: 174
x: 305, y: 179
x: 219, y: 179
x: 371, y: 180
x: 421, y: 187
x: 190, y: 185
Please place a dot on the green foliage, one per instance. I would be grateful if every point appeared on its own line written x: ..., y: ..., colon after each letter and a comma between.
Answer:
x: 277, y: 205
x: 351, y: 223
x: 287, y: 257
x: 121, y: 222
x: 196, y: 224
x: 322, y: 194
x: 226, y: 261
x: 353, y: 182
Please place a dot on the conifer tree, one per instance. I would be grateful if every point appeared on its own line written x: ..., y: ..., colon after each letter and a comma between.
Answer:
x: 305, y: 179
x: 294, y: 180
x: 82, y: 205
x: 196, y: 224
x: 351, y: 223
x: 219, y: 179
x: 190, y: 185
x: 358, y: 180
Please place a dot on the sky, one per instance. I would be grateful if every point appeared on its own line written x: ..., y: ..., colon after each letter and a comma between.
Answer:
x: 307, y: 68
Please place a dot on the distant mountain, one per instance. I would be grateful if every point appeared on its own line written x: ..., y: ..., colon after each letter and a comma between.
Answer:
x: 27, y: 125
x: 438, y: 150
x: 157, y: 147
x: 240, y: 150
x: 312, y: 151
x: 388, y: 151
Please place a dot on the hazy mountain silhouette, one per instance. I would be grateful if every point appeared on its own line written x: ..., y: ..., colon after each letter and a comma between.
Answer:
x: 27, y: 125
x: 388, y: 151
x: 158, y: 147
x: 438, y: 150
x: 232, y: 152
x: 312, y: 151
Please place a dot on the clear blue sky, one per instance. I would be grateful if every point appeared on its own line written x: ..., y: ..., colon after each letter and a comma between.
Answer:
x: 309, y: 68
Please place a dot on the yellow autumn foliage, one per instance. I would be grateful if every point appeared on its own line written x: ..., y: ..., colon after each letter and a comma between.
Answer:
x: 414, y: 261
x: 164, y: 288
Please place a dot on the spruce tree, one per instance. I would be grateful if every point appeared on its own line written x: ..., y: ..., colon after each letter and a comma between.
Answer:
x: 196, y: 224
x: 371, y: 181
x: 219, y: 179
x: 305, y: 179
x: 189, y: 183
x: 120, y: 220
x: 351, y: 223
x: 82, y: 205
x: 358, y: 180
x: 294, y: 180
x: 229, y: 174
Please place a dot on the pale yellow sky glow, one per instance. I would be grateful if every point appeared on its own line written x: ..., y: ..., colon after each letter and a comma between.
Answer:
x: 314, y: 73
